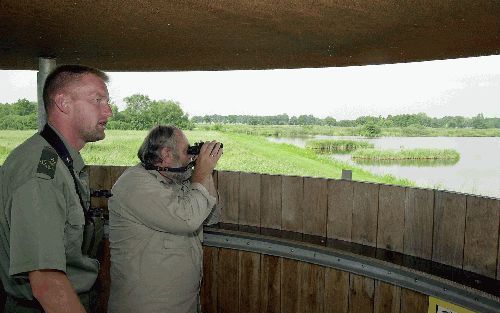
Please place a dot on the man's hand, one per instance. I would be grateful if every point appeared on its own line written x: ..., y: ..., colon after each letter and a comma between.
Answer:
x: 209, y: 154
x: 54, y: 292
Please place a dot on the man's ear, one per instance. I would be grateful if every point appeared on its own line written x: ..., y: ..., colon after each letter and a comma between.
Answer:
x: 62, y: 102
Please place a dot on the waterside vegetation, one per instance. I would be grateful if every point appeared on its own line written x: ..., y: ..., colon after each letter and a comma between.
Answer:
x: 336, y: 146
x: 406, y: 154
x: 311, y: 130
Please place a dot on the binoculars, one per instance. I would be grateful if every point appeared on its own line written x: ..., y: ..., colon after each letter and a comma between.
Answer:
x: 195, y: 149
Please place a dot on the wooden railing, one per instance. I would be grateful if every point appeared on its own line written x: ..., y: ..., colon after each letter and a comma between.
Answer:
x: 449, y: 228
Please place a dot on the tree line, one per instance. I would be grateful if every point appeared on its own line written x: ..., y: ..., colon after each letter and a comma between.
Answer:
x: 403, y: 120
x: 141, y: 113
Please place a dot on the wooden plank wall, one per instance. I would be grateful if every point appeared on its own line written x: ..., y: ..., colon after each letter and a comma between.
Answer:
x: 454, y: 229
x: 244, y: 282
x: 103, y: 178
x: 451, y: 228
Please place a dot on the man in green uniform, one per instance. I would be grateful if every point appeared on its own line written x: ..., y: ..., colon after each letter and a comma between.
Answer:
x: 44, y: 199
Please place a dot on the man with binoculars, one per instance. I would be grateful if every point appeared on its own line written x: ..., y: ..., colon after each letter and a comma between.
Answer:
x: 156, y: 215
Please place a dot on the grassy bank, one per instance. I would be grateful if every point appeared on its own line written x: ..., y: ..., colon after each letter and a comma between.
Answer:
x: 333, y: 146
x: 9, y: 139
x: 410, y: 154
x: 241, y: 153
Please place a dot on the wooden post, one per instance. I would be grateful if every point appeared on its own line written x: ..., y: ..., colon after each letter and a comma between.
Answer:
x: 347, y: 174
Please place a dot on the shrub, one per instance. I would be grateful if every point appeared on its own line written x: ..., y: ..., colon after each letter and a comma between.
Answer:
x: 371, y: 130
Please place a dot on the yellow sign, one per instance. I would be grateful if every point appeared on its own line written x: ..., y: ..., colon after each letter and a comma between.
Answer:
x: 440, y: 306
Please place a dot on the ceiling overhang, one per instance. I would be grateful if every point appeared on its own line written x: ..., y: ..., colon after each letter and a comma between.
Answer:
x: 235, y: 34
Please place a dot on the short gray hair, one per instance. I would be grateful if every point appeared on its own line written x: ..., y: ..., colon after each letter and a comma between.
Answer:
x: 158, y: 137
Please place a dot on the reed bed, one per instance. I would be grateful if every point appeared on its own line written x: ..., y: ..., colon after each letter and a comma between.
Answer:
x: 336, y: 146
x: 406, y: 154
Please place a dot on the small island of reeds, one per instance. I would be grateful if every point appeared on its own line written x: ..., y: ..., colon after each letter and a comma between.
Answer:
x: 406, y: 154
x: 336, y: 146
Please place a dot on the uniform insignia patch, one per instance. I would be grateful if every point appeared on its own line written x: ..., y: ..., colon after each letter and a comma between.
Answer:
x: 47, y: 164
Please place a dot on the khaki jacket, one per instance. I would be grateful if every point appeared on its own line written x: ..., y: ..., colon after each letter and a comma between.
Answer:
x: 155, y: 231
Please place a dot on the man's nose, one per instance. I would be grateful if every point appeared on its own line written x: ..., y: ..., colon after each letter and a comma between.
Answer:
x: 107, y: 110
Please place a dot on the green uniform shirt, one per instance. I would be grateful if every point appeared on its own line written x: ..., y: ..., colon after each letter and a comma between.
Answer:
x: 41, y: 219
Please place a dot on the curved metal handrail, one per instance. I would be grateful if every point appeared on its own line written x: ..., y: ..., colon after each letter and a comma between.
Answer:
x: 486, y: 300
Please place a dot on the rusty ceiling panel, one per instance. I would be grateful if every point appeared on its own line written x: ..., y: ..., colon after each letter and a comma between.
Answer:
x: 242, y: 34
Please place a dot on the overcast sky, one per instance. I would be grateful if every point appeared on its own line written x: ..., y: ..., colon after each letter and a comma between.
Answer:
x: 451, y: 87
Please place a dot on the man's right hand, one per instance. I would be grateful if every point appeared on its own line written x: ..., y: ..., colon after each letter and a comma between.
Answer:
x: 209, y: 154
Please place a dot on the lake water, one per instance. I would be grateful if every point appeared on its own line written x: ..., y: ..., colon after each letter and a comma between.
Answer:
x: 477, y: 171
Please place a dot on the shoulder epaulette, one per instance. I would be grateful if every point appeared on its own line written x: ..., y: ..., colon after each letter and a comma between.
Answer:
x: 47, y: 164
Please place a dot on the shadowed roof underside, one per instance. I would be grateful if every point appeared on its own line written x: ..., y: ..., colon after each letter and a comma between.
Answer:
x: 244, y: 34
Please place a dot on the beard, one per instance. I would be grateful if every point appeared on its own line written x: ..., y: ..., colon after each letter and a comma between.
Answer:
x: 181, y: 177
x: 186, y: 175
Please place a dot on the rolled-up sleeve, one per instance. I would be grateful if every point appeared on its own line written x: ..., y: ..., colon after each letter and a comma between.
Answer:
x: 149, y: 202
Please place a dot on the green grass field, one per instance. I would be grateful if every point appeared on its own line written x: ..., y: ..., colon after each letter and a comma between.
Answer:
x: 242, y: 152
